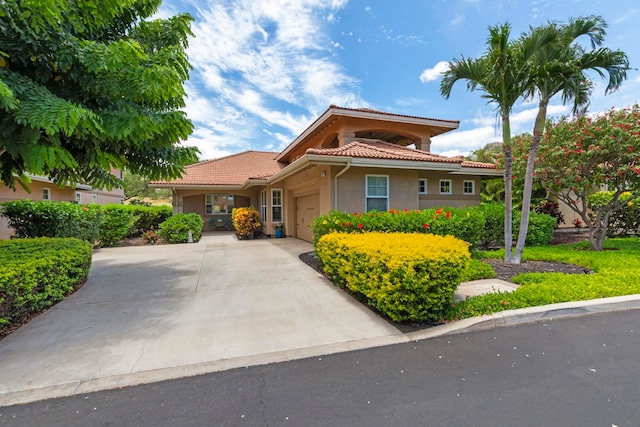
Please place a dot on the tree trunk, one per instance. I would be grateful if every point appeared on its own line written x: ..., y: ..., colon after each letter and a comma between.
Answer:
x: 508, y: 188
x: 538, y: 128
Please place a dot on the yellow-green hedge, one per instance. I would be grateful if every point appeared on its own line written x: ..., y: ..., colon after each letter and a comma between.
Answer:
x: 36, y: 273
x: 409, y: 277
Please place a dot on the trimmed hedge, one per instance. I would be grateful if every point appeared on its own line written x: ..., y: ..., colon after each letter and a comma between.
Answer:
x: 32, y: 219
x: 147, y: 218
x: 478, y: 225
x: 176, y: 228
x: 408, y: 277
x: 37, y: 273
x: 117, y: 221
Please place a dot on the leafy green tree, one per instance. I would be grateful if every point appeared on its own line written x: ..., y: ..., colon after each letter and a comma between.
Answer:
x: 90, y: 85
x: 138, y: 186
x: 560, y: 67
x: 578, y: 156
x: 501, y: 74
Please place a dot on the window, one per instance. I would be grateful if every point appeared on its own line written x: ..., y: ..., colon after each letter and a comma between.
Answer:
x: 377, y: 193
x: 422, y: 186
x: 46, y: 194
x: 218, y: 204
x: 263, y: 205
x: 469, y: 187
x: 94, y: 199
x: 276, y: 205
x: 78, y: 198
x: 445, y: 186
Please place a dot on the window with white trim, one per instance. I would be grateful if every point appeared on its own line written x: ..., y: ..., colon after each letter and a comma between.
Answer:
x: 46, y: 193
x: 94, y: 199
x: 422, y: 186
x: 445, y: 186
x: 218, y: 204
x: 276, y: 205
x: 263, y: 205
x: 377, y: 193
x: 78, y: 197
x: 469, y: 187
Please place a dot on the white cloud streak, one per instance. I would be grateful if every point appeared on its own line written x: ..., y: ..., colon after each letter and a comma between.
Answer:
x: 431, y: 74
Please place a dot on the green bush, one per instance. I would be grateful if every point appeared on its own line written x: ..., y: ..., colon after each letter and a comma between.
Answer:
x: 117, y: 221
x: 540, y: 231
x: 177, y: 227
x: 623, y: 222
x: 407, y: 276
x: 464, y: 223
x: 478, y: 225
x: 36, y: 273
x: 147, y: 218
x: 32, y: 219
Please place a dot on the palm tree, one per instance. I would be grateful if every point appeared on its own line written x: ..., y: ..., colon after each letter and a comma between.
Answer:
x: 559, y: 67
x: 501, y: 75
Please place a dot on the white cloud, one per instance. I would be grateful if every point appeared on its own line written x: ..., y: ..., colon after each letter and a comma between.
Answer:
x: 434, y: 73
x: 254, y: 59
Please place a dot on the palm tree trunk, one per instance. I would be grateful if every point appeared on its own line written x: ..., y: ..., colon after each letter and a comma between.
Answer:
x: 508, y: 187
x: 528, y: 179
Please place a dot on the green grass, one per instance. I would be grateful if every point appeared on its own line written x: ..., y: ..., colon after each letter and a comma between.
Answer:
x: 617, y: 272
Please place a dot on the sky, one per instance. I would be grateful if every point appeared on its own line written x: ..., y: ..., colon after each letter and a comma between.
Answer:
x: 264, y: 70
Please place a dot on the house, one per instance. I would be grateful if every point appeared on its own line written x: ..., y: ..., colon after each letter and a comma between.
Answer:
x: 353, y: 160
x: 44, y: 189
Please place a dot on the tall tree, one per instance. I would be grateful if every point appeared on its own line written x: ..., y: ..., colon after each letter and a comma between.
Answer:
x: 577, y: 156
x: 560, y: 67
x: 501, y: 75
x: 90, y: 85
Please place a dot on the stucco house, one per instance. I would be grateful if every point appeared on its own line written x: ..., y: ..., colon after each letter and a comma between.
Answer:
x: 352, y: 160
x: 43, y: 189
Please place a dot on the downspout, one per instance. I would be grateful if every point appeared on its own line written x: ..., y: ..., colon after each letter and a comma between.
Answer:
x: 335, y: 185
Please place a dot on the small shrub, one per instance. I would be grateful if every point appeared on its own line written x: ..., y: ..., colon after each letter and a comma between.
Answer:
x: 625, y: 221
x: 115, y: 225
x: 540, y: 230
x: 245, y: 220
x: 147, y: 217
x: 177, y: 227
x: 409, y: 277
x: 150, y: 237
x: 32, y: 219
x: 37, y: 273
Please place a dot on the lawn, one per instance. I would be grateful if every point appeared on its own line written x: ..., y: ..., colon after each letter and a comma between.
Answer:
x: 616, y: 272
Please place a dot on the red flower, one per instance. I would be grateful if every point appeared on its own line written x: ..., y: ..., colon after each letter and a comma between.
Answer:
x: 349, y: 224
x: 360, y: 226
x: 448, y: 215
x: 343, y: 224
x: 425, y: 225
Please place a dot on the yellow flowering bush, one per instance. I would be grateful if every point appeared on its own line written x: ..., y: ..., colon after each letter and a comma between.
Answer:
x: 245, y: 220
x: 407, y: 276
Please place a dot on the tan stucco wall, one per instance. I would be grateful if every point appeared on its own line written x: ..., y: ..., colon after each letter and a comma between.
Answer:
x: 433, y: 198
x: 192, y: 201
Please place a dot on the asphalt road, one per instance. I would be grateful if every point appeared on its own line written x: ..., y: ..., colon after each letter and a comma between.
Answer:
x: 574, y: 372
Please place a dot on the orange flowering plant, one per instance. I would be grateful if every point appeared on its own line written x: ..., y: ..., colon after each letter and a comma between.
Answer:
x: 245, y: 220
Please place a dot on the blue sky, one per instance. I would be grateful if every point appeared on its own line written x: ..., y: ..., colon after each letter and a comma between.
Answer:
x: 265, y: 69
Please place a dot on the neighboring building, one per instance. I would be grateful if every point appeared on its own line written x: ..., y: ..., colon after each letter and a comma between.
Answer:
x: 352, y: 160
x: 43, y: 189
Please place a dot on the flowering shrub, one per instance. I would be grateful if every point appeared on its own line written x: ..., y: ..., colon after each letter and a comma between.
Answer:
x: 245, y: 220
x: 409, y: 277
x: 477, y: 225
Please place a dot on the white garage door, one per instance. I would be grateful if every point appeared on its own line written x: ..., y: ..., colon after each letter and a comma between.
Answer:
x: 306, y: 209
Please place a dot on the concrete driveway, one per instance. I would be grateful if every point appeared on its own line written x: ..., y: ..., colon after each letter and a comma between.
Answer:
x: 161, y: 312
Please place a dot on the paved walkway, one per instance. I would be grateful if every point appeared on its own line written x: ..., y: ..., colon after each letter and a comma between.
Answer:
x: 162, y: 312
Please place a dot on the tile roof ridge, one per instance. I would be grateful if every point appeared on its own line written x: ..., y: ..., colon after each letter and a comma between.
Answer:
x: 371, y: 110
x: 202, y: 162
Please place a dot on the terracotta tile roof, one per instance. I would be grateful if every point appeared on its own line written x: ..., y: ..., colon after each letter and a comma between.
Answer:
x: 369, y: 110
x: 384, y: 150
x: 470, y: 164
x: 235, y: 169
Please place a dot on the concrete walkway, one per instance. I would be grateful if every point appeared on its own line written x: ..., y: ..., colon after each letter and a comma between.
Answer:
x: 154, y: 313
